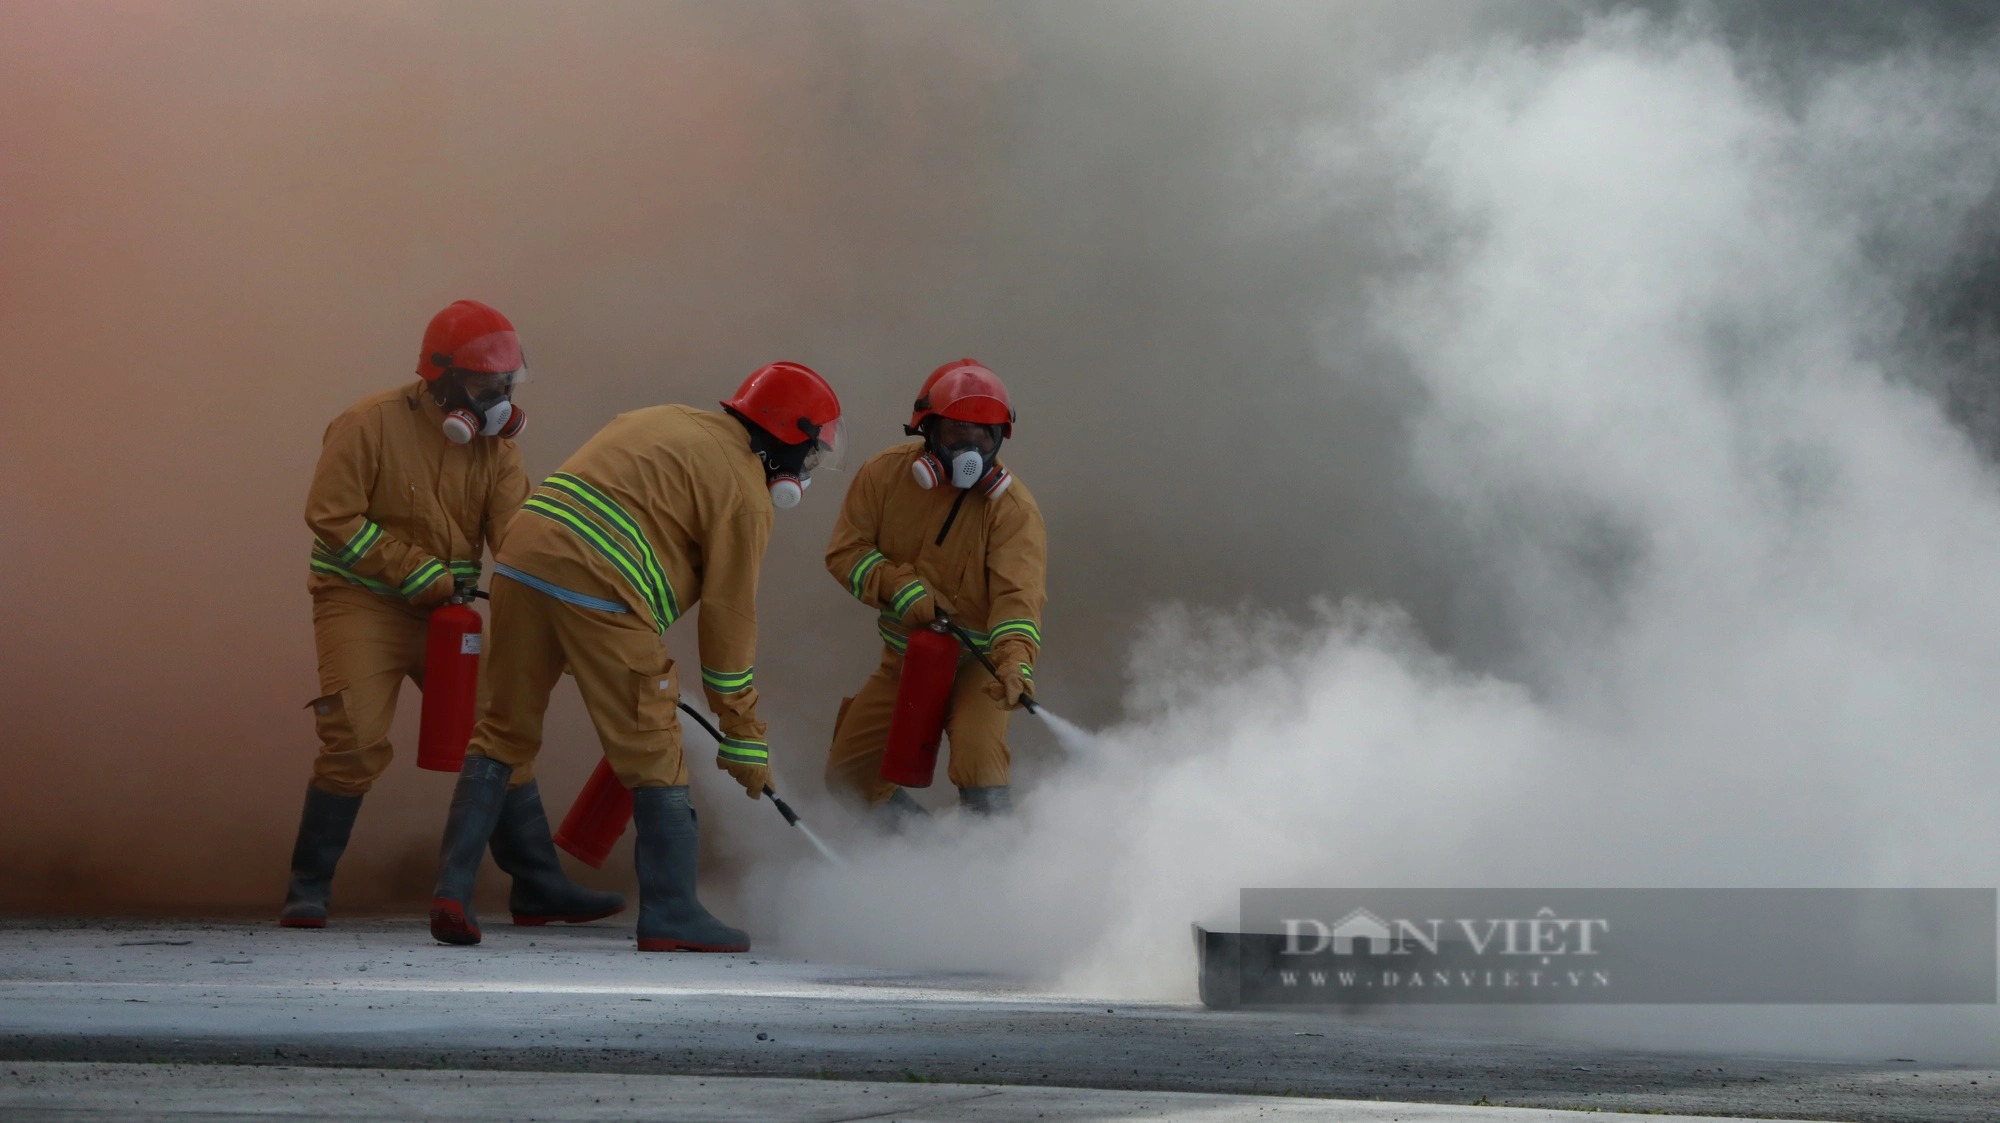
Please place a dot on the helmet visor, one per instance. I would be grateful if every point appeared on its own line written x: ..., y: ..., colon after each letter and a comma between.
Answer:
x: 829, y: 449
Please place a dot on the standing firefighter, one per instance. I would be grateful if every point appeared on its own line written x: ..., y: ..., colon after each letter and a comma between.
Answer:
x: 410, y: 484
x: 665, y: 507
x: 938, y: 525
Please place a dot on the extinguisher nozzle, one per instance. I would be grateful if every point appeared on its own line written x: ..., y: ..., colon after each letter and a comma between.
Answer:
x: 784, y: 808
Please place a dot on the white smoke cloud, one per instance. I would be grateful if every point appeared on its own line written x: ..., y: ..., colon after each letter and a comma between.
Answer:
x: 1666, y: 408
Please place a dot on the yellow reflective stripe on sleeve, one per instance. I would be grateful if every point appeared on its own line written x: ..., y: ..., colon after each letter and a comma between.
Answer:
x: 421, y: 577
x: 743, y: 751
x: 857, y: 580
x: 907, y: 596
x: 1027, y: 628
x: 726, y: 682
x: 358, y: 546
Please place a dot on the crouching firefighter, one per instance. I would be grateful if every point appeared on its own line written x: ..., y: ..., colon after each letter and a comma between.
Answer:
x: 665, y: 507
x: 939, y: 525
x: 411, y: 484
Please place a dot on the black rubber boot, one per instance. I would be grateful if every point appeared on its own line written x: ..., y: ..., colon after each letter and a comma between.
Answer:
x: 670, y: 916
x: 323, y: 829
x: 475, y: 808
x: 897, y: 814
x: 992, y: 802
x: 543, y: 893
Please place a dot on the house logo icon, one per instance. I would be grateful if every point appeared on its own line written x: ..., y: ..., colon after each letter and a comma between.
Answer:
x: 1361, y: 925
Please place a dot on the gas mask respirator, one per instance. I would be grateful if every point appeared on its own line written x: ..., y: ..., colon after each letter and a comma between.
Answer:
x: 787, y: 490
x: 963, y: 466
x: 788, y: 470
x: 493, y: 416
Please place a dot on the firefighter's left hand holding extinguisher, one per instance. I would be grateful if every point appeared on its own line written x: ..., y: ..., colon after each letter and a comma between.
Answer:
x: 441, y: 589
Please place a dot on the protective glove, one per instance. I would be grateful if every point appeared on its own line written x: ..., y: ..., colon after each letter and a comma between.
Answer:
x: 753, y: 777
x: 440, y: 590
x: 911, y: 601
x: 1016, y: 681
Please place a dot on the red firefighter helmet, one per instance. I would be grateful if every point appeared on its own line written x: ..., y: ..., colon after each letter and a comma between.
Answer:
x: 964, y: 391
x: 793, y: 403
x: 469, y: 335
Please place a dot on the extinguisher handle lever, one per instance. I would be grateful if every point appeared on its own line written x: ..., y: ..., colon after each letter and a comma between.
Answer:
x: 1026, y: 700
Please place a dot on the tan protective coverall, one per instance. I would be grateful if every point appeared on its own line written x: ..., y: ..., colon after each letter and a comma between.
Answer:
x: 665, y: 507
x: 989, y: 573
x: 396, y: 511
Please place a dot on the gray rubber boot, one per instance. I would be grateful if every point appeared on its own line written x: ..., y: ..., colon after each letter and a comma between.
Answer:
x: 897, y: 814
x: 324, y: 825
x: 542, y: 893
x: 475, y: 808
x: 992, y: 802
x: 670, y: 916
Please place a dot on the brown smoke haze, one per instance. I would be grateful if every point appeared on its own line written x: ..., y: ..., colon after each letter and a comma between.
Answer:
x: 223, y: 222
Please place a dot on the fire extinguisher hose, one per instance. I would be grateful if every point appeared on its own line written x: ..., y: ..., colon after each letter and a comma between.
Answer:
x: 1027, y: 700
x: 785, y: 809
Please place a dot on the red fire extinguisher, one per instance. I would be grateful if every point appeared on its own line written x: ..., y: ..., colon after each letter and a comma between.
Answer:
x: 451, y: 684
x: 922, y: 694
x: 597, y: 820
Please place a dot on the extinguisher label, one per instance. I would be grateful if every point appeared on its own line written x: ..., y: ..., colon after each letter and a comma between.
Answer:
x: 468, y: 644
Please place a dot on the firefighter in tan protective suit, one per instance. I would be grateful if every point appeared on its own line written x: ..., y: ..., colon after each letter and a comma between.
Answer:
x: 665, y: 507
x: 410, y: 484
x: 938, y: 525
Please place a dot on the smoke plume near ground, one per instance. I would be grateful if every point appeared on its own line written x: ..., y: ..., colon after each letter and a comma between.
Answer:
x: 1655, y: 336
x: 1485, y: 446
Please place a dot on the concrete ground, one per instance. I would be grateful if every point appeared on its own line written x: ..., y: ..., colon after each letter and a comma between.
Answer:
x: 44, y: 1090
x: 371, y: 1019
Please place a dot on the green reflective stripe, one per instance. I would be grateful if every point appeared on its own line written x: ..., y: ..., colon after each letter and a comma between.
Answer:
x: 321, y: 563
x: 906, y: 596
x: 421, y: 577
x: 894, y: 640
x: 465, y: 570
x: 725, y: 682
x: 603, y: 507
x: 744, y: 752
x: 620, y: 559
x: 980, y: 638
x: 358, y: 546
x: 857, y: 579
x: 1026, y: 628
x: 1027, y: 672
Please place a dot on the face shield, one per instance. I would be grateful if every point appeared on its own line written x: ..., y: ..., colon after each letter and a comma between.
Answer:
x: 828, y: 449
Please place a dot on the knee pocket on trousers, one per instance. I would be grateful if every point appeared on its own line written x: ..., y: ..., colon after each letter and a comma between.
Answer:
x: 330, y: 718
x: 655, y: 695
